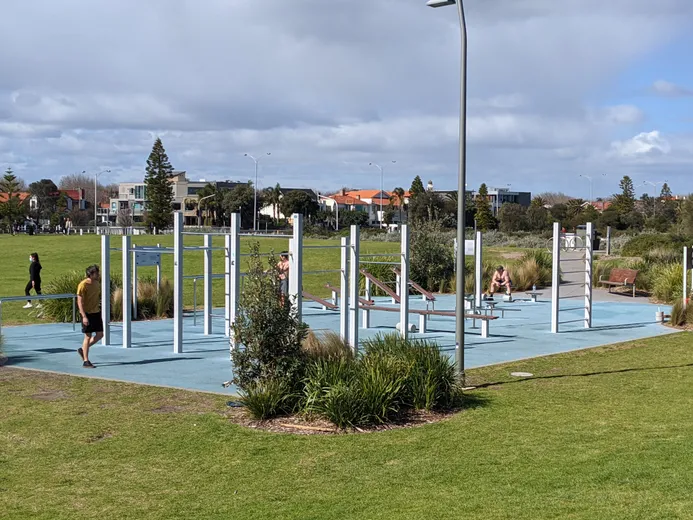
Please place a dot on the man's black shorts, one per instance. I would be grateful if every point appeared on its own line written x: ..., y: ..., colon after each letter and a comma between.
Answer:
x: 95, y: 323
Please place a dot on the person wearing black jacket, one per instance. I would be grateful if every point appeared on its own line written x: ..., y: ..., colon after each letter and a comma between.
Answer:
x: 34, y: 278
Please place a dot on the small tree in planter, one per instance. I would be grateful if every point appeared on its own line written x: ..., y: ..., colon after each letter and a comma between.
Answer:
x: 267, y: 331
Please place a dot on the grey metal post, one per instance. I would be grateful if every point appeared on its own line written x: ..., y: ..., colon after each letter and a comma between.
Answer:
x: 354, y: 289
x: 178, y: 282
x: 127, y: 288
x: 234, y: 275
x: 589, y: 255
x: 344, y: 292
x: 106, y: 288
x: 555, y: 277
x: 478, y: 269
x: 158, y: 272
x: 296, y: 265
x: 608, y: 240
x: 134, y: 282
x: 208, y: 284
x: 404, y: 280
x: 686, y: 267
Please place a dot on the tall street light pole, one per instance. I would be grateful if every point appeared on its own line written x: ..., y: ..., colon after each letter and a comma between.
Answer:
x: 255, y: 198
x: 589, y: 179
x: 381, y: 188
x: 461, y: 181
x: 96, y: 198
x: 654, y: 194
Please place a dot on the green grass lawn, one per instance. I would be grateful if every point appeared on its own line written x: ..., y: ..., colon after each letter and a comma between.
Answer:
x: 605, y: 433
x: 60, y: 254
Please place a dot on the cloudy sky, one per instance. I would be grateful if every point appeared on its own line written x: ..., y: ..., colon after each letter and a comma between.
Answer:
x: 556, y: 89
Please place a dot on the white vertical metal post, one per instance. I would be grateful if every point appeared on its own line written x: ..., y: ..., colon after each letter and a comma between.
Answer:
x: 344, y: 292
x: 158, y: 272
x: 296, y: 265
x: 365, y: 313
x: 589, y: 255
x: 555, y: 276
x: 233, y: 275
x: 177, y: 282
x: 398, y: 278
x: 134, y: 282
x: 404, y: 280
x: 127, y: 288
x: 207, y: 251
x: 227, y: 280
x: 354, y: 289
x: 686, y: 267
x: 478, y: 269
x: 106, y: 288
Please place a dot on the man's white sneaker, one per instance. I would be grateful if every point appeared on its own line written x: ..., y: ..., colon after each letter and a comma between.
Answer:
x: 28, y: 306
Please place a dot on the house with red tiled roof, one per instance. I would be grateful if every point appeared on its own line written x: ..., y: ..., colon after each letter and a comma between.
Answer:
x: 369, y: 201
x: 22, y: 196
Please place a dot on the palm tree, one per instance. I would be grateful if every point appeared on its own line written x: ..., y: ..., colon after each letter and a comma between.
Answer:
x: 274, y: 196
x: 574, y: 207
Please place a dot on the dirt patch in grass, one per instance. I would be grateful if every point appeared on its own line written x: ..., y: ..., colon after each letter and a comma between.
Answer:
x: 100, y: 437
x: 512, y: 255
x: 300, y: 425
x: 51, y: 395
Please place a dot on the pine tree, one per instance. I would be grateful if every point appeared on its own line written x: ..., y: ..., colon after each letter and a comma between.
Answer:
x: 665, y: 194
x: 159, y: 189
x: 11, y: 209
x: 624, y: 202
x: 417, y: 187
x: 484, y: 216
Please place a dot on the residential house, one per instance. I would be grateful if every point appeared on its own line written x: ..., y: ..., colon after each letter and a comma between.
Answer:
x: 369, y: 201
x: 499, y: 196
x: 274, y: 210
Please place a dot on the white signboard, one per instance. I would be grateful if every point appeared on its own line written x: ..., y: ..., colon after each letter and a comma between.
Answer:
x: 468, y: 248
x: 145, y: 259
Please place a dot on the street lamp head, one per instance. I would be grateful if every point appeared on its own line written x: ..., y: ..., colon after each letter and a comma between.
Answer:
x: 440, y: 3
x: 269, y: 153
x: 245, y: 155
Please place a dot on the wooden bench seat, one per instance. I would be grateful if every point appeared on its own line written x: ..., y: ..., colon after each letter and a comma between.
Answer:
x: 425, y: 313
x: 620, y: 278
x: 335, y: 296
x: 326, y: 306
x: 426, y: 295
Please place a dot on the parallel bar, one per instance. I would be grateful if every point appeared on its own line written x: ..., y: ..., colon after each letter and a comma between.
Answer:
x: 404, y: 280
x: 106, y: 288
x: 322, y: 247
x: 588, y: 276
x: 555, y: 277
x: 261, y: 235
x: 344, y: 292
x: 354, y: 274
x: 178, y: 282
x: 127, y: 288
x: 323, y: 272
x: 381, y: 263
x: 200, y: 276
x: 207, y: 261
x: 380, y: 255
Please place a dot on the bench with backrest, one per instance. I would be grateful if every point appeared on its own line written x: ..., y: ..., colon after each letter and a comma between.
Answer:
x: 425, y: 313
x: 621, y: 278
x: 335, y: 296
x: 380, y: 284
x: 426, y: 295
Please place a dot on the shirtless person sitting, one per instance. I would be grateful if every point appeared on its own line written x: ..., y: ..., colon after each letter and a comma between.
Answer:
x: 500, y: 279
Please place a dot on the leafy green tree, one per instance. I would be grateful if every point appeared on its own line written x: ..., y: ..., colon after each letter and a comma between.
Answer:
x: 512, y: 217
x: 299, y: 202
x: 665, y: 194
x: 538, y: 202
x: 273, y: 196
x: 624, y: 202
x: 353, y: 218
x: 432, y: 257
x: 484, y: 216
x: 398, y: 194
x: 389, y: 215
x: 47, y: 195
x: 240, y: 200
x: 685, y: 219
x: 159, y: 189
x: 426, y: 206
x: 559, y: 212
x: 538, y: 218
x: 209, y: 208
x: 417, y: 188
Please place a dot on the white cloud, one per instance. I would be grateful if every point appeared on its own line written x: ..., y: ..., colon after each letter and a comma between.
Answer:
x: 668, y: 89
x: 645, y: 144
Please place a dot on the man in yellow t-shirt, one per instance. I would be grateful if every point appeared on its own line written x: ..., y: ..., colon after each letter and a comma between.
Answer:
x: 89, y: 302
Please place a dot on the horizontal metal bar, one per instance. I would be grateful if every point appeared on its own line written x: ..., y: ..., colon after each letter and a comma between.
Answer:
x: 37, y: 297
x: 378, y: 255
x: 570, y: 321
x: 262, y: 235
x: 201, y: 276
x: 322, y: 272
x: 381, y: 263
x: 324, y: 247
x: 572, y: 272
x: 571, y: 296
x: 260, y: 254
x: 573, y: 259
x: 574, y: 309
x: 216, y: 234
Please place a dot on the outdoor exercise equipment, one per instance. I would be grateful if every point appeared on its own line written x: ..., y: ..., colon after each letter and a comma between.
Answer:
x: 558, y: 241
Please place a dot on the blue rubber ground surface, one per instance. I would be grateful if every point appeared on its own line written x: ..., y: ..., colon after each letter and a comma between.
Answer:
x: 205, y: 363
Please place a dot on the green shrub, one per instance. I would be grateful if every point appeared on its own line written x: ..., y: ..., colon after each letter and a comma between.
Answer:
x: 662, y: 255
x: 679, y: 314
x: 268, y: 399
x: 667, y: 282
x: 432, y: 257
x: 267, y: 332
x: 328, y: 345
x: 641, y: 244
x: 383, y: 387
x: 61, y: 310
x: 383, y: 272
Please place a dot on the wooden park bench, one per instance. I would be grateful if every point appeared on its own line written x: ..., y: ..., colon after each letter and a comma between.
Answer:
x: 621, y: 278
x: 425, y: 313
x: 326, y: 306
